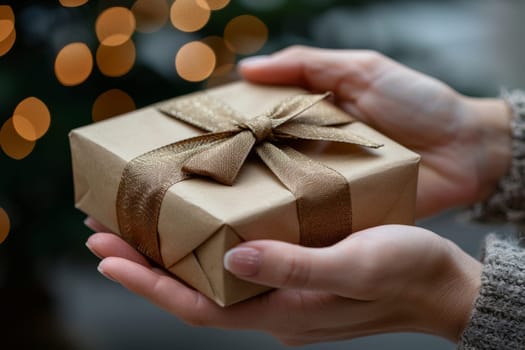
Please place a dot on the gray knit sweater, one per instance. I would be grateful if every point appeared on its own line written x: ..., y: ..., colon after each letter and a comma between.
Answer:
x: 498, y: 319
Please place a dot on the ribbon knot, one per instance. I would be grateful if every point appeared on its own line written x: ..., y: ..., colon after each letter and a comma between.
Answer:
x: 323, y: 195
x: 260, y: 126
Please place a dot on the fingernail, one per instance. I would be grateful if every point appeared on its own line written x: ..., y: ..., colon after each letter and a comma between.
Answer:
x: 88, y: 246
x: 253, y: 60
x: 90, y: 224
x: 105, y: 274
x: 243, y: 261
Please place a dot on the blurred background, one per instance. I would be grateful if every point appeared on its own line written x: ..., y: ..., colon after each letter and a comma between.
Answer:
x: 68, y: 63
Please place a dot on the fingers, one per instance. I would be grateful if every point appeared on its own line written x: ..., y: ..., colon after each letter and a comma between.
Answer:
x: 189, y: 305
x: 160, y: 289
x: 95, y: 225
x: 107, y: 244
x: 346, y: 73
x: 283, y: 265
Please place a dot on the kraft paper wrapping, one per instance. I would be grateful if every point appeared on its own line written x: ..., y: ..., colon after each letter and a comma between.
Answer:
x: 201, y: 219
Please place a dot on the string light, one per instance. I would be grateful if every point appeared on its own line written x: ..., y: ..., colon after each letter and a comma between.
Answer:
x: 151, y: 15
x: 7, y: 21
x: 31, y: 119
x: 111, y: 103
x: 115, y: 26
x: 7, y: 29
x: 225, y: 58
x: 195, y: 61
x: 12, y: 144
x: 246, y: 34
x: 73, y: 64
x: 213, y: 4
x: 73, y: 3
x: 5, y: 225
x: 188, y: 16
x: 116, y: 61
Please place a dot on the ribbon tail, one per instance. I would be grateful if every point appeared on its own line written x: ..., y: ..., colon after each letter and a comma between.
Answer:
x: 324, y: 205
x: 223, y: 161
x: 143, y: 185
x: 323, y: 133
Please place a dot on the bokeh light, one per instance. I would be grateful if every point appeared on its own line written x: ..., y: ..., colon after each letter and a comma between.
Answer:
x: 150, y: 15
x: 72, y: 3
x: 115, y: 26
x: 246, y: 34
x: 195, y: 61
x: 225, y: 58
x: 5, y: 225
x: 12, y: 144
x: 116, y: 61
x: 213, y: 4
x: 31, y: 119
x: 73, y: 64
x: 112, y: 103
x: 7, y: 21
x: 7, y: 43
x: 188, y: 16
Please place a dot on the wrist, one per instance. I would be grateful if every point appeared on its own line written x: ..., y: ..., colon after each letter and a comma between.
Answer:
x: 487, y: 130
x: 446, y: 300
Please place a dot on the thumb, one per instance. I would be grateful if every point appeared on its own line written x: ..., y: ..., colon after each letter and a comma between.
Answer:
x: 282, y: 265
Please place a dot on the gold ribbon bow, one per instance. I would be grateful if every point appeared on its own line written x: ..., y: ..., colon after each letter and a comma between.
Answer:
x: 323, y: 195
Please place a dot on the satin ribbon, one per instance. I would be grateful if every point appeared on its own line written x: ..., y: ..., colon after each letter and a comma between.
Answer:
x: 324, y: 204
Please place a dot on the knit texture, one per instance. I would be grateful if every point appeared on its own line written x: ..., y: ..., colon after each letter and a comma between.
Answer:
x: 507, y: 203
x: 498, y: 319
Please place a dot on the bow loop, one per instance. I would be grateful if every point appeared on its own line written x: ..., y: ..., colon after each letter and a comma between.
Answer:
x: 223, y: 161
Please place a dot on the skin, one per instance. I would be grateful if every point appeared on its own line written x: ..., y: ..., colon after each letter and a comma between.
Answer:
x: 384, y: 279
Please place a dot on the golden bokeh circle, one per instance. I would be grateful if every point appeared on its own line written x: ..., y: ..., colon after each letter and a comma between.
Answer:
x: 213, y: 4
x: 7, y: 43
x: 187, y: 16
x: 31, y: 119
x: 7, y: 21
x: 151, y: 15
x: 5, y: 225
x: 225, y: 58
x: 12, y: 144
x: 195, y: 61
x: 115, y: 26
x: 246, y: 34
x: 116, y: 61
x: 72, y: 3
x: 112, y: 103
x: 73, y: 64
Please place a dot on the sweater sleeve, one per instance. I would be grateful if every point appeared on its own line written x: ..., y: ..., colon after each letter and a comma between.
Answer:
x: 498, y: 318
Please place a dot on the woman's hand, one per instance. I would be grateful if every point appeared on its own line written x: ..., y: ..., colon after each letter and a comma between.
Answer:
x: 464, y: 142
x: 385, y: 279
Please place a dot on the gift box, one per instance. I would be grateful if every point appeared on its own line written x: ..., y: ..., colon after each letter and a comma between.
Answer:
x: 187, y: 179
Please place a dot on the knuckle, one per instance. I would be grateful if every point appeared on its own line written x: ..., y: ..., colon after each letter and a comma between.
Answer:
x: 373, y: 55
x: 369, y: 271
x: 295, y: 50
x: 200, y: 316
x: 297, y: 272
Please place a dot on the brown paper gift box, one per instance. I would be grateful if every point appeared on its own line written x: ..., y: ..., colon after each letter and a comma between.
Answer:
x: 201, y: 219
